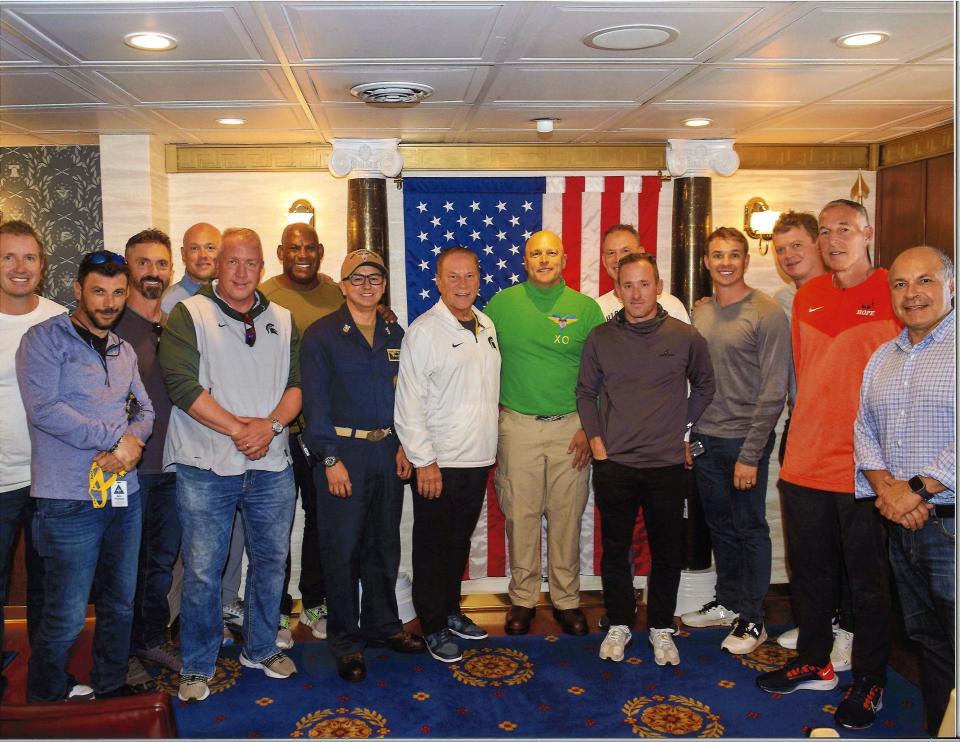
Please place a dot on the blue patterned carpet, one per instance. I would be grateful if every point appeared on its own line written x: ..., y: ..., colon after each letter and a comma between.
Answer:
x: 534, y: 686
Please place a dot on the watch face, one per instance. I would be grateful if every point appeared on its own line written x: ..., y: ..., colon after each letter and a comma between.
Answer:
x: 330, y: 461
x: 917, y: 485
x: 277, y: 427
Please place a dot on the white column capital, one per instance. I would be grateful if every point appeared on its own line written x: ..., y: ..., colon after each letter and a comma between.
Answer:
x: 366, y: 158
x: 701, y: 157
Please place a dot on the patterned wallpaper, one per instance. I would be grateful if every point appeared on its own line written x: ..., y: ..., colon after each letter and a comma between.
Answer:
x: 57, y: 190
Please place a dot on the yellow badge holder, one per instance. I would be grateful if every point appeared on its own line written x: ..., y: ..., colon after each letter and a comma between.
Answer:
x: 100, y: 486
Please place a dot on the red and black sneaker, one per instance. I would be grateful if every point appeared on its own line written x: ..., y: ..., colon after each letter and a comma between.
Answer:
x: 860, y: 705
x: 795, y: 676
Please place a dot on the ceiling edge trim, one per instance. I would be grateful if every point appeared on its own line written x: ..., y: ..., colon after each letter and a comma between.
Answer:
x: 920, y: 145
x: 188, y: 158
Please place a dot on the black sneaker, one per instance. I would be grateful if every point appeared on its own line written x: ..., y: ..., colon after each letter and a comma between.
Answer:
x: 860, y: 705
x: 795, y: 676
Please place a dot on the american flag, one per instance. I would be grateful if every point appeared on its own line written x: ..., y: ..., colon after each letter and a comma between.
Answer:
x: 494, y: 217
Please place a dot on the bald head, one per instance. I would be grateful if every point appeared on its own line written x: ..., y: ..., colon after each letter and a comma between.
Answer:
x: 201, y: 245
x: 300, y: 253
x: 544, y: 259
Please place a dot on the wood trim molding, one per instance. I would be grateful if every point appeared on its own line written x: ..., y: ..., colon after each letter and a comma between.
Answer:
x: 190, y: 158
x: 918, y: 146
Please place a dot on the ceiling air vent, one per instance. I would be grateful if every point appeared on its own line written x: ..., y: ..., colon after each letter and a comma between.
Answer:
x: 391, y: 93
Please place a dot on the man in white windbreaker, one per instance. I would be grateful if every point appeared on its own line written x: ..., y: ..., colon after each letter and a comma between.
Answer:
x: 446, y: 418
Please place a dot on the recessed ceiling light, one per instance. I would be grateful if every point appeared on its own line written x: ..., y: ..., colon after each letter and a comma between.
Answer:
x: 150, y: 41
x: 862, y: 38
x: 698, y: 121
x: 232, y: 122
x: 630, y: 38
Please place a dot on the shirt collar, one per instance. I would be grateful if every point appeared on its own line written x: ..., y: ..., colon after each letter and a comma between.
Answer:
x: 935, y: 336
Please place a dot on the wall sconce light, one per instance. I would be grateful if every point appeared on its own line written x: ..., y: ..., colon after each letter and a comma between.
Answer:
x: 301, y: 211
x: 758, y: 221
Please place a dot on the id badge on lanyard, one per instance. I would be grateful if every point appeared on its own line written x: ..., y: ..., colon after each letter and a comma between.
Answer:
x: 113, y: 487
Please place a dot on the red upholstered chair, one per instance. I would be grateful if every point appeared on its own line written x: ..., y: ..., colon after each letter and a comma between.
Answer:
x: 147, y: 716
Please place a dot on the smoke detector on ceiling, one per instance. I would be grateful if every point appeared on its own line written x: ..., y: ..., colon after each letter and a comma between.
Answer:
x: 391, y: 93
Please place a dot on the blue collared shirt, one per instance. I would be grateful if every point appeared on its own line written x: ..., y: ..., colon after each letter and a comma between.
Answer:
x: 908, y: 411
x: 182, y: 289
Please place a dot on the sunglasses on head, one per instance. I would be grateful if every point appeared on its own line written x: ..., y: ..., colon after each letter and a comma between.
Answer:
x: 101, y: 257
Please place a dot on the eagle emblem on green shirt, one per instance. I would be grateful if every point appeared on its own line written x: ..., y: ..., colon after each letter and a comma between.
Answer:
x: 563, y: 321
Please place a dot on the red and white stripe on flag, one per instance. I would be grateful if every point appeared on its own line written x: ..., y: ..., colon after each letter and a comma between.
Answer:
x: 579, y: 209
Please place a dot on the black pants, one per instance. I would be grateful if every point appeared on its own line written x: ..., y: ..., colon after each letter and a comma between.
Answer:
x: 360, y: 542
x: 618, y: 492
x: 826, y: 530
x: 312, y: 590
x: 441, y: 542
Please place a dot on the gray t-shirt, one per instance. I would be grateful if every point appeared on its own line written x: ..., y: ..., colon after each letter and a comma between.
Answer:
x: 749, y: 345
x: 785, y: 297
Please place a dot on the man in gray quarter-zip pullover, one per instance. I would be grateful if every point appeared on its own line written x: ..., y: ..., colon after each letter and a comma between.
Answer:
x: 633, y: 403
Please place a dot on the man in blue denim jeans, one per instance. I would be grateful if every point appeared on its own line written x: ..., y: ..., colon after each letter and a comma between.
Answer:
x: 88, y: 414
x: 905, y: 450
x: 749, y: 339
x: 230, y: 360
x: 22, y: 265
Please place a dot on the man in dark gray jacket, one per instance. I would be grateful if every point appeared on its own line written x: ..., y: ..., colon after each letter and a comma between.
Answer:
x: 633, y: 404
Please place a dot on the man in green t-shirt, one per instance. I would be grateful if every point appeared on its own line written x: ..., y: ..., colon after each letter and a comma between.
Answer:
x: 543, y: 452
x: 309, y: 295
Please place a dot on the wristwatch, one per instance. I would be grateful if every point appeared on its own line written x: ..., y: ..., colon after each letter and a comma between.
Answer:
x: 919, y: 488
x: 330, y: 461
x: 277, y: 426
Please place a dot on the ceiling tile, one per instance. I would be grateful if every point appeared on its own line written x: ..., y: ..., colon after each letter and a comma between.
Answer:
x: 101, y: 119
x: 224, y: 84
x: 205, y: 118
x: 556, y: 30
x: 273, y: 136
x: 725, y: 116
x: 914, y: 28
x: 862, y: 116
x: 792, y: 85
x: 616, y: 84
x: 450, y: 84
x: 396, y: 32
x: 794, y: 136
x: 94, y: 33
x: 518, y: 117
x: 40, y: 87
x: 910, y: 83
x: 361, y: 116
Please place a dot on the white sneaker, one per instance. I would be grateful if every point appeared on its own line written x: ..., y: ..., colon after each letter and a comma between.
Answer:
x: 745, y: 637
x: 841, y: 656
x: 788, y: 639
x: 316, y: 620
x: 664, y: 650
x: 193, y: 688
x: 712, y: 614
x: 284, y: 634
x: 618, y: 638
x: 80, y: 692
x: 275, y: 666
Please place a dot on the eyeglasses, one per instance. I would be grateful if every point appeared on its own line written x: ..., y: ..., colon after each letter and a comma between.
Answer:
x: 358, y: 279
x: 100, y: 257
x: 157, y: 330
x: 249, y: 330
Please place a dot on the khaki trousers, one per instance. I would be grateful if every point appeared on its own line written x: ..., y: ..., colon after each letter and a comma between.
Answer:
x: 535, y: 478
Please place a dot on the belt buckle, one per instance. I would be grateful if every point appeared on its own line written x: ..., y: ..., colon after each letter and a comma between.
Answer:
x: 376, y: 435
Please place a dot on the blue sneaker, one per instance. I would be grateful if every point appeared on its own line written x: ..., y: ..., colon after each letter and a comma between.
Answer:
x: 464, y: 627
x: 442, y: 646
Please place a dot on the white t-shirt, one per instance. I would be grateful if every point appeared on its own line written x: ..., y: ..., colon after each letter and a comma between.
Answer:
x: 14, y: 436
x: 610, y: 305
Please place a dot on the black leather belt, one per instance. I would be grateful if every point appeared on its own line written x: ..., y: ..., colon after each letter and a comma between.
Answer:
x: 944, y: 511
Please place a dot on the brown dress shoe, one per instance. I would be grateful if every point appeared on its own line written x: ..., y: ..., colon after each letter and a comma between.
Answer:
x: 518, y: 620
x: 403, y: 642
x: 572, y: 621
x: 351, y: 668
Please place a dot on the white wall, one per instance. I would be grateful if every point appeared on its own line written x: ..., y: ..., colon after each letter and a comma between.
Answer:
x: 260, y: 201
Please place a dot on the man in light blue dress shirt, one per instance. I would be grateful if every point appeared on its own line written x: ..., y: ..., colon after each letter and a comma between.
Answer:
x: 905, y: 451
